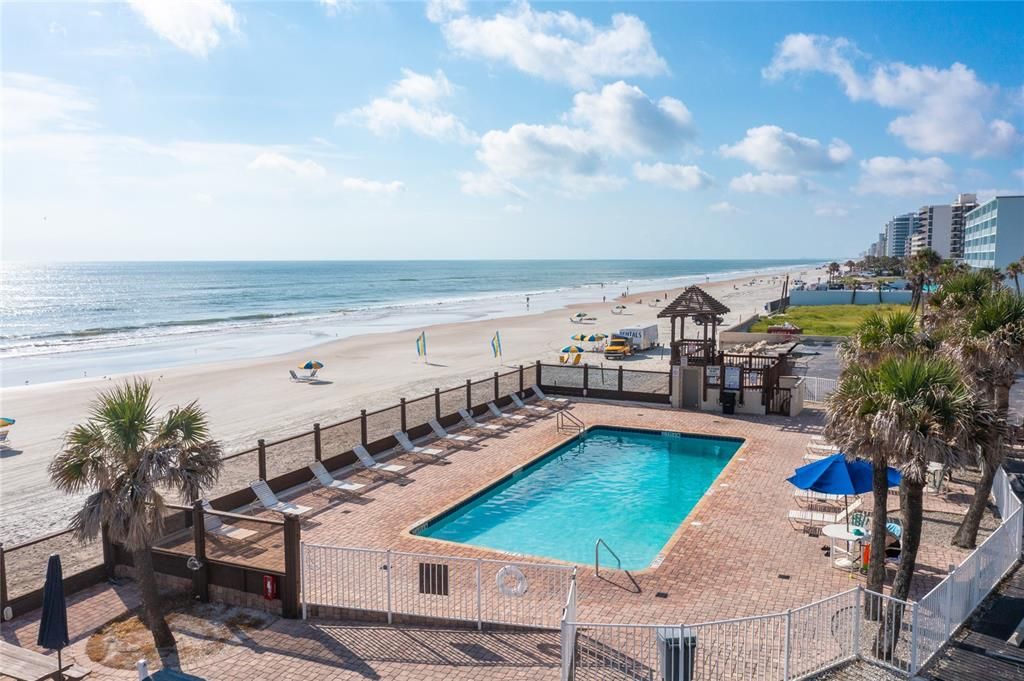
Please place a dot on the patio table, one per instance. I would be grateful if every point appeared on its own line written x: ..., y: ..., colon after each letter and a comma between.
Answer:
x: 843, y: 533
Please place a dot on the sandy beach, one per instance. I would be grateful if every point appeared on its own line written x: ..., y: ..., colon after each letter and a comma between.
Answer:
x: 251, y: 398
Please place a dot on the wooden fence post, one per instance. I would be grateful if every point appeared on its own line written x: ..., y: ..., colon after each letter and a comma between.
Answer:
x: 318, y: 452
x: 200, y: 576
x: 469, y: 396
x: 586, y: 378
x: 437, y: 404
x: 538, y: 381
x: 495, y: 386
x: 262, y: 445
x: 401, y: 410
x: 3, y: 581
x: 362, y: 426
x: 520, y: 380
x: 621, y: 378
x: 292, y: 567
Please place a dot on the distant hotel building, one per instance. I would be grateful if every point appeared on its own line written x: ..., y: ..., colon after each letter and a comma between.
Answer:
x: 897, y: 234
x: 934, y: 228
x: 963, y: 205
x: 994, y: 232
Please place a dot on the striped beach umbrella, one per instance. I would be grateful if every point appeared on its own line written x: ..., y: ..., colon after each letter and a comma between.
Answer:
x: 5, y: 422
x: 572, y: 349
x: 579, y: 337
x: 579, y: 315
x: 595, y: 337
x: 312, y: 364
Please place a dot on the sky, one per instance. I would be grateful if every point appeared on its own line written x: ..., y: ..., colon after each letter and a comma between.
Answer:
x: 227, y: 130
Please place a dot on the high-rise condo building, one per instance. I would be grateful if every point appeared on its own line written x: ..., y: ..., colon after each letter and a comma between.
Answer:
x: 994, y: 232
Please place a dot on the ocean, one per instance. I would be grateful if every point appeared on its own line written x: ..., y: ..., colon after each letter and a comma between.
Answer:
x: 69, y: 320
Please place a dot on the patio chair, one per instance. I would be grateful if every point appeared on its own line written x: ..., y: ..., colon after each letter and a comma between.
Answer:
x: 327, y: 481
x: 809, y: 458
x: 272, y: 503
x: 577, y: 358
x: 822, y: 448
x: 407, y: 445
x: 801, y: 519
x: 515, y: 419
x: 472, y: 423
x: 370, y: 464
x: 516, y: 400
x: 451, y: 438
x: 812, y: 497
x: 213, y: 525
x: 559, y: 402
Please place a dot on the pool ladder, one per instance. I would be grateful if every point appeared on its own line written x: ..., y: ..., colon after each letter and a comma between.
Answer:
x: 564, y: 421
x: 597, y: 561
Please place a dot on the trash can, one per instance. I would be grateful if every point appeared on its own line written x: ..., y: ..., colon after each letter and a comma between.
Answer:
x: 675, y: 661
x: 728, y: 402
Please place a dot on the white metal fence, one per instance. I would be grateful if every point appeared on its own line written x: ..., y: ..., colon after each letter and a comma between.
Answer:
x: 902, y: 636
x: 431, y: 586
x: 816, y: 388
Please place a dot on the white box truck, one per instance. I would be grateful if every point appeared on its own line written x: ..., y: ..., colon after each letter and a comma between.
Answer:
x: 641, y: 337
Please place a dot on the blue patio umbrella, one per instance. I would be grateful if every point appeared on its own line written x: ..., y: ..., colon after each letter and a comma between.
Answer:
x: 53, y: 626
x: 838, y: 475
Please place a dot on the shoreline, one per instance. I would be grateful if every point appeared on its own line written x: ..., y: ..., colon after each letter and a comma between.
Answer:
x: 248, y: 398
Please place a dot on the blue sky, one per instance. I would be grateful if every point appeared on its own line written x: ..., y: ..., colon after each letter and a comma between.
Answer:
x: 212, y: 129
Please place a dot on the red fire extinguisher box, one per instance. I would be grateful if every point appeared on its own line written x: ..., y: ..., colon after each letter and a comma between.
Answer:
x: 269, y: 587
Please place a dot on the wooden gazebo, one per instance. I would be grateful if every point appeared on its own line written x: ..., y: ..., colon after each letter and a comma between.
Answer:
x: 705, y: 311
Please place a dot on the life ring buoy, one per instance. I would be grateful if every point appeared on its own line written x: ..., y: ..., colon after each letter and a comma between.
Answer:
x: 511, y: 581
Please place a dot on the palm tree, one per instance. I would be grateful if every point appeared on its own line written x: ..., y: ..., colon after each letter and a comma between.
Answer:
x: 959, y: 293
x: 922, y: 268
x: 128, y: 457
x: 877, y: 338
x: 989, y: 344
x: 849, y: 264
x: 910, y: 410
x: 833, y: 270
x: 1015, y: 269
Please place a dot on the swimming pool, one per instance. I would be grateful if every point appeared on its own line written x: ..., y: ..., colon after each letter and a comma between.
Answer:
x: 629, y: 487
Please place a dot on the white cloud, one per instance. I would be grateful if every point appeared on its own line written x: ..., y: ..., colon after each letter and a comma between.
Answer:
x: 685, y: 178
x: 724, y: 208
x: 412, y: 104
x: 275, y: 161
x: 946, y: 108
x: 442, y: 10
x: 627, y: 121
x: 770, y: 183
x: 359, y: 184
x: 513, y: 208
x: 488, y: 184
x: 557, y: 46
x: 333, y: 7
x: 771, y: 148
x: 194, y: 26
x: 895, y: 176
x: 1019, y: 173
x: 31, y: 103
x: 831, y: 210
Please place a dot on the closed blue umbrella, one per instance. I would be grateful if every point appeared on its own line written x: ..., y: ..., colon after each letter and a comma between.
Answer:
x: 53, y: 627
x: 837, y: 475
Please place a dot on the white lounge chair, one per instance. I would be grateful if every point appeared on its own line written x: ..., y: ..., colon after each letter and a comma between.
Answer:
x: 452, y: 438
x: 811, y: 518
x: 326, y: 480
x: 370, y: 464
x: 810, y: 458
x: 821, y: 448
x: 406, y: 444
x: 213, y: 525
x: 296, y: 377
x: 471, y: 422
x: 272, y: 503
x: 557, y: 401
x: 812, y: 497
x: 516, y: 400
x: 499, y: 414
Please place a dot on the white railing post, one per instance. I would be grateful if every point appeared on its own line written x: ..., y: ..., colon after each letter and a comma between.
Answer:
x: 387, y: 568
x: 302, y: 577
x: 947, y: 602
x: 479, y: 600
x: 913, y: 638
x: 785, y: 659
x: 682, y: 653
x: 858, y: 613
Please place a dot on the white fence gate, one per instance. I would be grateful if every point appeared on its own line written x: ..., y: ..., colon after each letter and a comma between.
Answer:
x: 422, y: 585
x: 816, y: 388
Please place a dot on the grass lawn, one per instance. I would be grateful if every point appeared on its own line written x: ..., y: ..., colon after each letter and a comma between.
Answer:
x: 824, y: 320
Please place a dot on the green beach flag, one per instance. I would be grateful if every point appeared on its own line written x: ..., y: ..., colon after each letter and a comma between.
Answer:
x: 496, y: 344
x: 421, y: 344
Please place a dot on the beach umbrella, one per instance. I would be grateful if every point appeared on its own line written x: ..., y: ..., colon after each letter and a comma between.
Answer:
x: 595, y: 337
x: 572, y: 349
x: 579, y: 315
x: 619, y: 307
x: 5, y: 422
x: 579, y: 337
x: 838, y: 475
x: 312, y: 364
x: 53, y: 627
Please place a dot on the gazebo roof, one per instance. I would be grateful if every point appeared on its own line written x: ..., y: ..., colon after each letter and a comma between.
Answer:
x: 692, y: 302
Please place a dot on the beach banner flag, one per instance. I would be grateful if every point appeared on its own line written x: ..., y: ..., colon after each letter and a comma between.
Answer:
x: 496, y: 344
x: 421, y: 344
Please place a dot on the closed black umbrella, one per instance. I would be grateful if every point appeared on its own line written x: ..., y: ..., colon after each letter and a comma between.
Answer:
x: 53, y: 627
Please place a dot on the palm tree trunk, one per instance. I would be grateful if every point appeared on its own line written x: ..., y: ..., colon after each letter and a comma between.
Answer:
x: 912, y: 503
x: 151, y: 605
x: 879, y: 518
x: 966, y: 536
x: 1016, y: 283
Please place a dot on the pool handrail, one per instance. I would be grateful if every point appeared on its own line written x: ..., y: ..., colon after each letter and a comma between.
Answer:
x: 597, y: 561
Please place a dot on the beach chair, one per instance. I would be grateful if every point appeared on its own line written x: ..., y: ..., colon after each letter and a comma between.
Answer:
x: 809, y: 458
x: 272, y: 503
x: 536, y: 408
x: 811, y: 497
x: 562, y: 359
x: 4, y: 442
x: 312, y: 375
x: 804, y: 519
x: 296, y: 377
x: 451, y: 438
x: 370, y: 464
x: 327, y: 481
x: 559, y: 402
x: 515, y: 419
x: 213, y: 525
x: 472, y: 423
x: 577, y: 358
x: 407, y: 445
x: 821, y: 448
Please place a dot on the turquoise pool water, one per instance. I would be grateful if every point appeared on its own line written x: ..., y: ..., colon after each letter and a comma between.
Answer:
x: 631, y: 488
